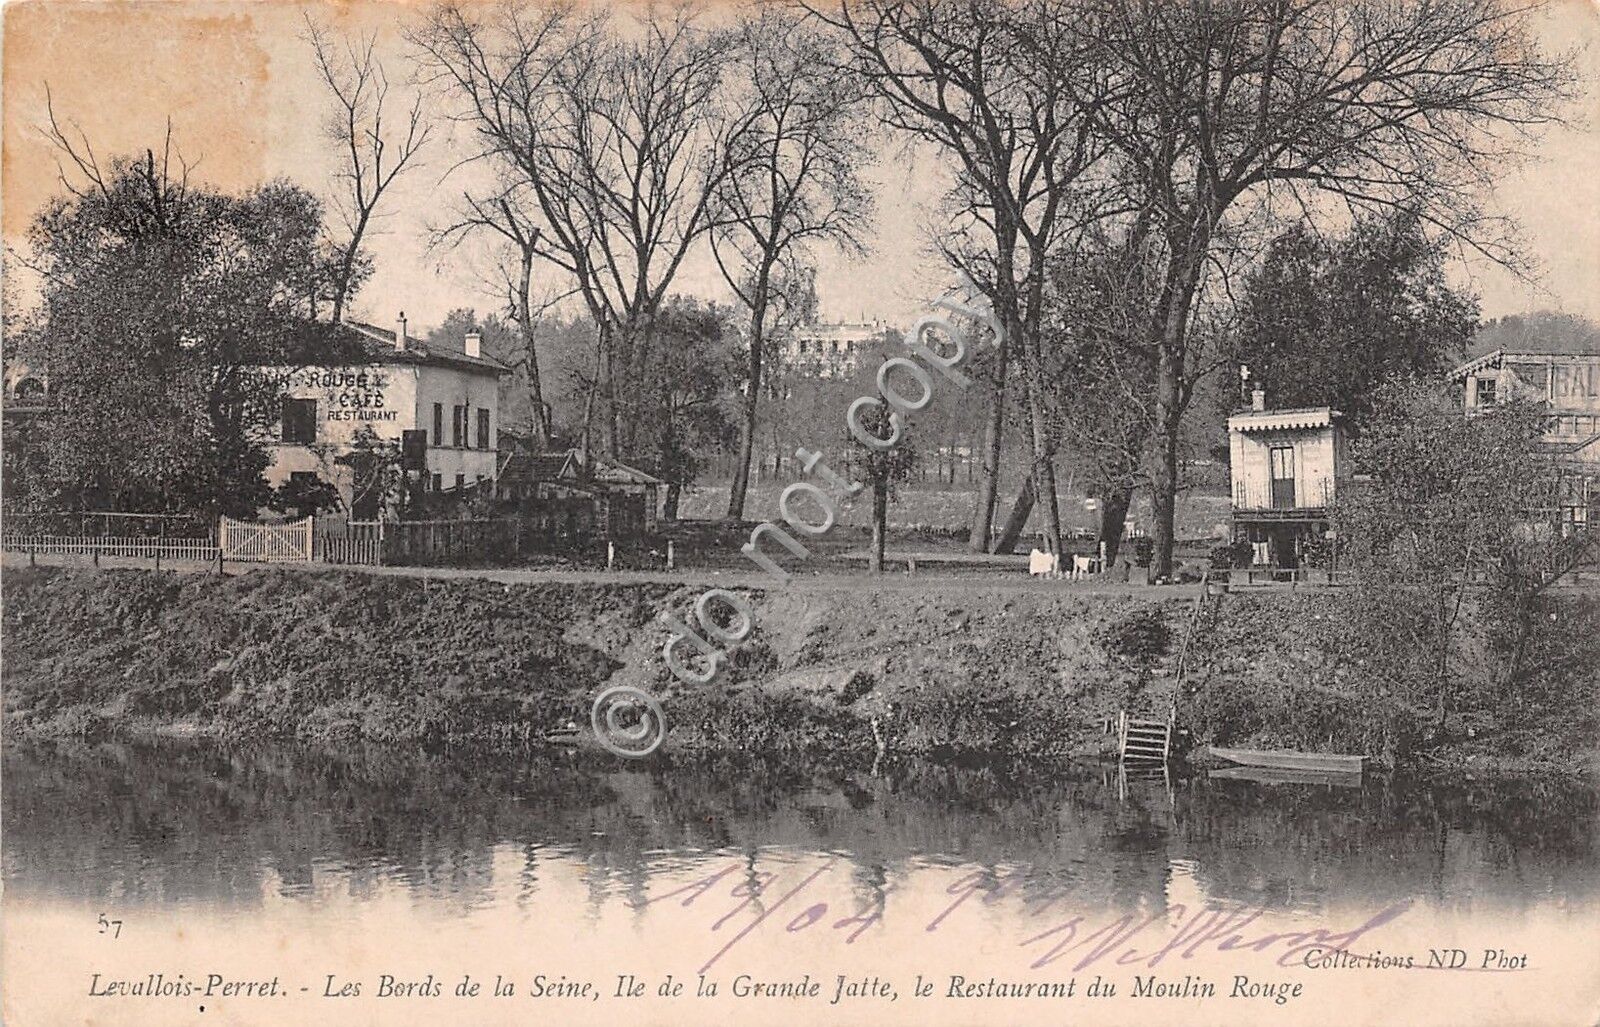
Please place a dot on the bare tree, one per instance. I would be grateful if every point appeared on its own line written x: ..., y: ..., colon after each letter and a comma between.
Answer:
x: 610, y: 140
x: 519, y: 236
x: 793, y: 182
x: 1005, y: 90
x: 373, y: 153
x: 1219, y: 108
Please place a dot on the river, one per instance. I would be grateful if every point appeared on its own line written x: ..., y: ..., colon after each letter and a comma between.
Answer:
x: 709, y: 870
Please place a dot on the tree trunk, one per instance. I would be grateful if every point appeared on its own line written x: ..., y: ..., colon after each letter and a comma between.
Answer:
x: 1113, y: 518
x: 1164, y: 487
x: 880, y: 522
x: 1020, y: 511
x: 347, y: 265
x: 747, y: 430
x: 524, y: 317
x: 1182, y: 279
x: 591, y: 399
x: 982, y: 523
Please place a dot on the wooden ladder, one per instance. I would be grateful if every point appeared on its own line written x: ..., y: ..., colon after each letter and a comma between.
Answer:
x: 1142, y: 739
x: 1148, y: 739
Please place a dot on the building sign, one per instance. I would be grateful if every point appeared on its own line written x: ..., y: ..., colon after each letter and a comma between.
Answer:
x: 350, y: 394
x: 1575, y: 384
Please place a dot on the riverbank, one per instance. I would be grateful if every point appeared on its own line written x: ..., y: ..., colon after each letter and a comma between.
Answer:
x: 957, y: 667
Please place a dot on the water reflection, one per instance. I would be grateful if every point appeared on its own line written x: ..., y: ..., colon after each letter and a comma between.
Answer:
x: 234, y: 828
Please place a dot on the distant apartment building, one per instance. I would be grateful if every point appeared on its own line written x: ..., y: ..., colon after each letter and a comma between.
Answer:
x: 1286, y: 467
x: 447, y: 399
x: 833, y: 350
x: 1568, y: 384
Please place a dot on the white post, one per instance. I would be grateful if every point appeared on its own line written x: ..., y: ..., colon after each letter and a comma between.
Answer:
x: 669, y: 554
x: 611, y: 554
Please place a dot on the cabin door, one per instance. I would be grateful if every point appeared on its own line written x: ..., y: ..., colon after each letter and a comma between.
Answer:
x: 1282, y: 462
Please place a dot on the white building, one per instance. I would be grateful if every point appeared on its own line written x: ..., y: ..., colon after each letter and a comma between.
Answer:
x: 833, y: 350
x: 449, y: 396
x: 1568, y: 386
x: 1286, y: 466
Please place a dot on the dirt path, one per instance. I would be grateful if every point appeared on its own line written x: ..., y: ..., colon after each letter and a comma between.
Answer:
x: 927, y: 577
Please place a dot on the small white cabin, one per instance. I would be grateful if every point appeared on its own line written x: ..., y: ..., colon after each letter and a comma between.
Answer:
x: 1286, y: 467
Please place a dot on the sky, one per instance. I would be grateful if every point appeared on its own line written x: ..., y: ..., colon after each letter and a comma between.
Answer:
x: 237, y: 82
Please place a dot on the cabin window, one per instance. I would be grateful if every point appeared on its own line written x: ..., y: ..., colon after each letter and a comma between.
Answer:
x: 438, y: 424
x: 438, y: 482
x: 299, y: 420
x: 1486, y: 392
x: 458, y: 426
x: 483, y: 428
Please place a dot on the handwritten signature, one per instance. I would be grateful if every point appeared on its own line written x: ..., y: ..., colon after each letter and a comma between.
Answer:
x: 1079, y: 942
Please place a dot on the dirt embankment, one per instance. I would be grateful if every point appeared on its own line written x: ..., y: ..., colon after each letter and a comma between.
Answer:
x: 346, y: 656
x: 947, y: 669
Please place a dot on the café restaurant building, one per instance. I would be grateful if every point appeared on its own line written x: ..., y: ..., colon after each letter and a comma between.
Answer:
x: 447, y: 397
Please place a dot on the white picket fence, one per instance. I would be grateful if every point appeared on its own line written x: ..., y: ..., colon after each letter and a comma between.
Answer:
x: 266, y: 543
x: 149, y: 548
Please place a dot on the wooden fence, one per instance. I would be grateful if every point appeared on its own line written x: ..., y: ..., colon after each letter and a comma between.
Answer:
x: 147, y: 547
x: 101, y: 533
x: 423, y: 543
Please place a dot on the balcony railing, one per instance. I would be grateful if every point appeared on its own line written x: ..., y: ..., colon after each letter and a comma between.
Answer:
x: 1286, y: 495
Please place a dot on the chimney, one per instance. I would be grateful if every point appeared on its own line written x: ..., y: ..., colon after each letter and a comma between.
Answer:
x: 1258, y: 400
x: 474, y: 344
x: 400, y: 338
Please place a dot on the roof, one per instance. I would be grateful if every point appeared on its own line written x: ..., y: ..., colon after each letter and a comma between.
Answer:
x: 1496, y: 357
x: 540, y: 466
x: 1283, y: 420
x: 379, y: 344
x: 622, y: 474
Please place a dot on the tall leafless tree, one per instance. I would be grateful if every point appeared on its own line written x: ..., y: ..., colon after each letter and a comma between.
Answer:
x: 1222, y: 107
x: 610, y: 140
x: 793, y: 182
x: 373, y: 152
x: 1005, y: 90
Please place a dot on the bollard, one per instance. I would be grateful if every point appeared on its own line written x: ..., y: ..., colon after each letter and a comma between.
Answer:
x: 669, y: 554
x: 611, y: 554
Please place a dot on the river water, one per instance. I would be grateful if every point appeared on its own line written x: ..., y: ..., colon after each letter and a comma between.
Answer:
x: 477, y: 865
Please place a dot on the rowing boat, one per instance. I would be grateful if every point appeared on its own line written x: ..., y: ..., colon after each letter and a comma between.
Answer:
x: 1287, y: 759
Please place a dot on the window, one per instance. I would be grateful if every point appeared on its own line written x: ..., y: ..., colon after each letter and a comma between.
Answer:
x: 458, y: 426
x: 438, y: 424
x: 483, y: 428
x: 461, y: 481
x: 1486, y: 393
x: 299, y: 420
x: 438, y: 482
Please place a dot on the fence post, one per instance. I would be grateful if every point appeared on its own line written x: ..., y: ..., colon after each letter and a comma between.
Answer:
x: 611, y: 553
x: 33, y: 559
x: 669, y: 554
x: 94, y: 554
